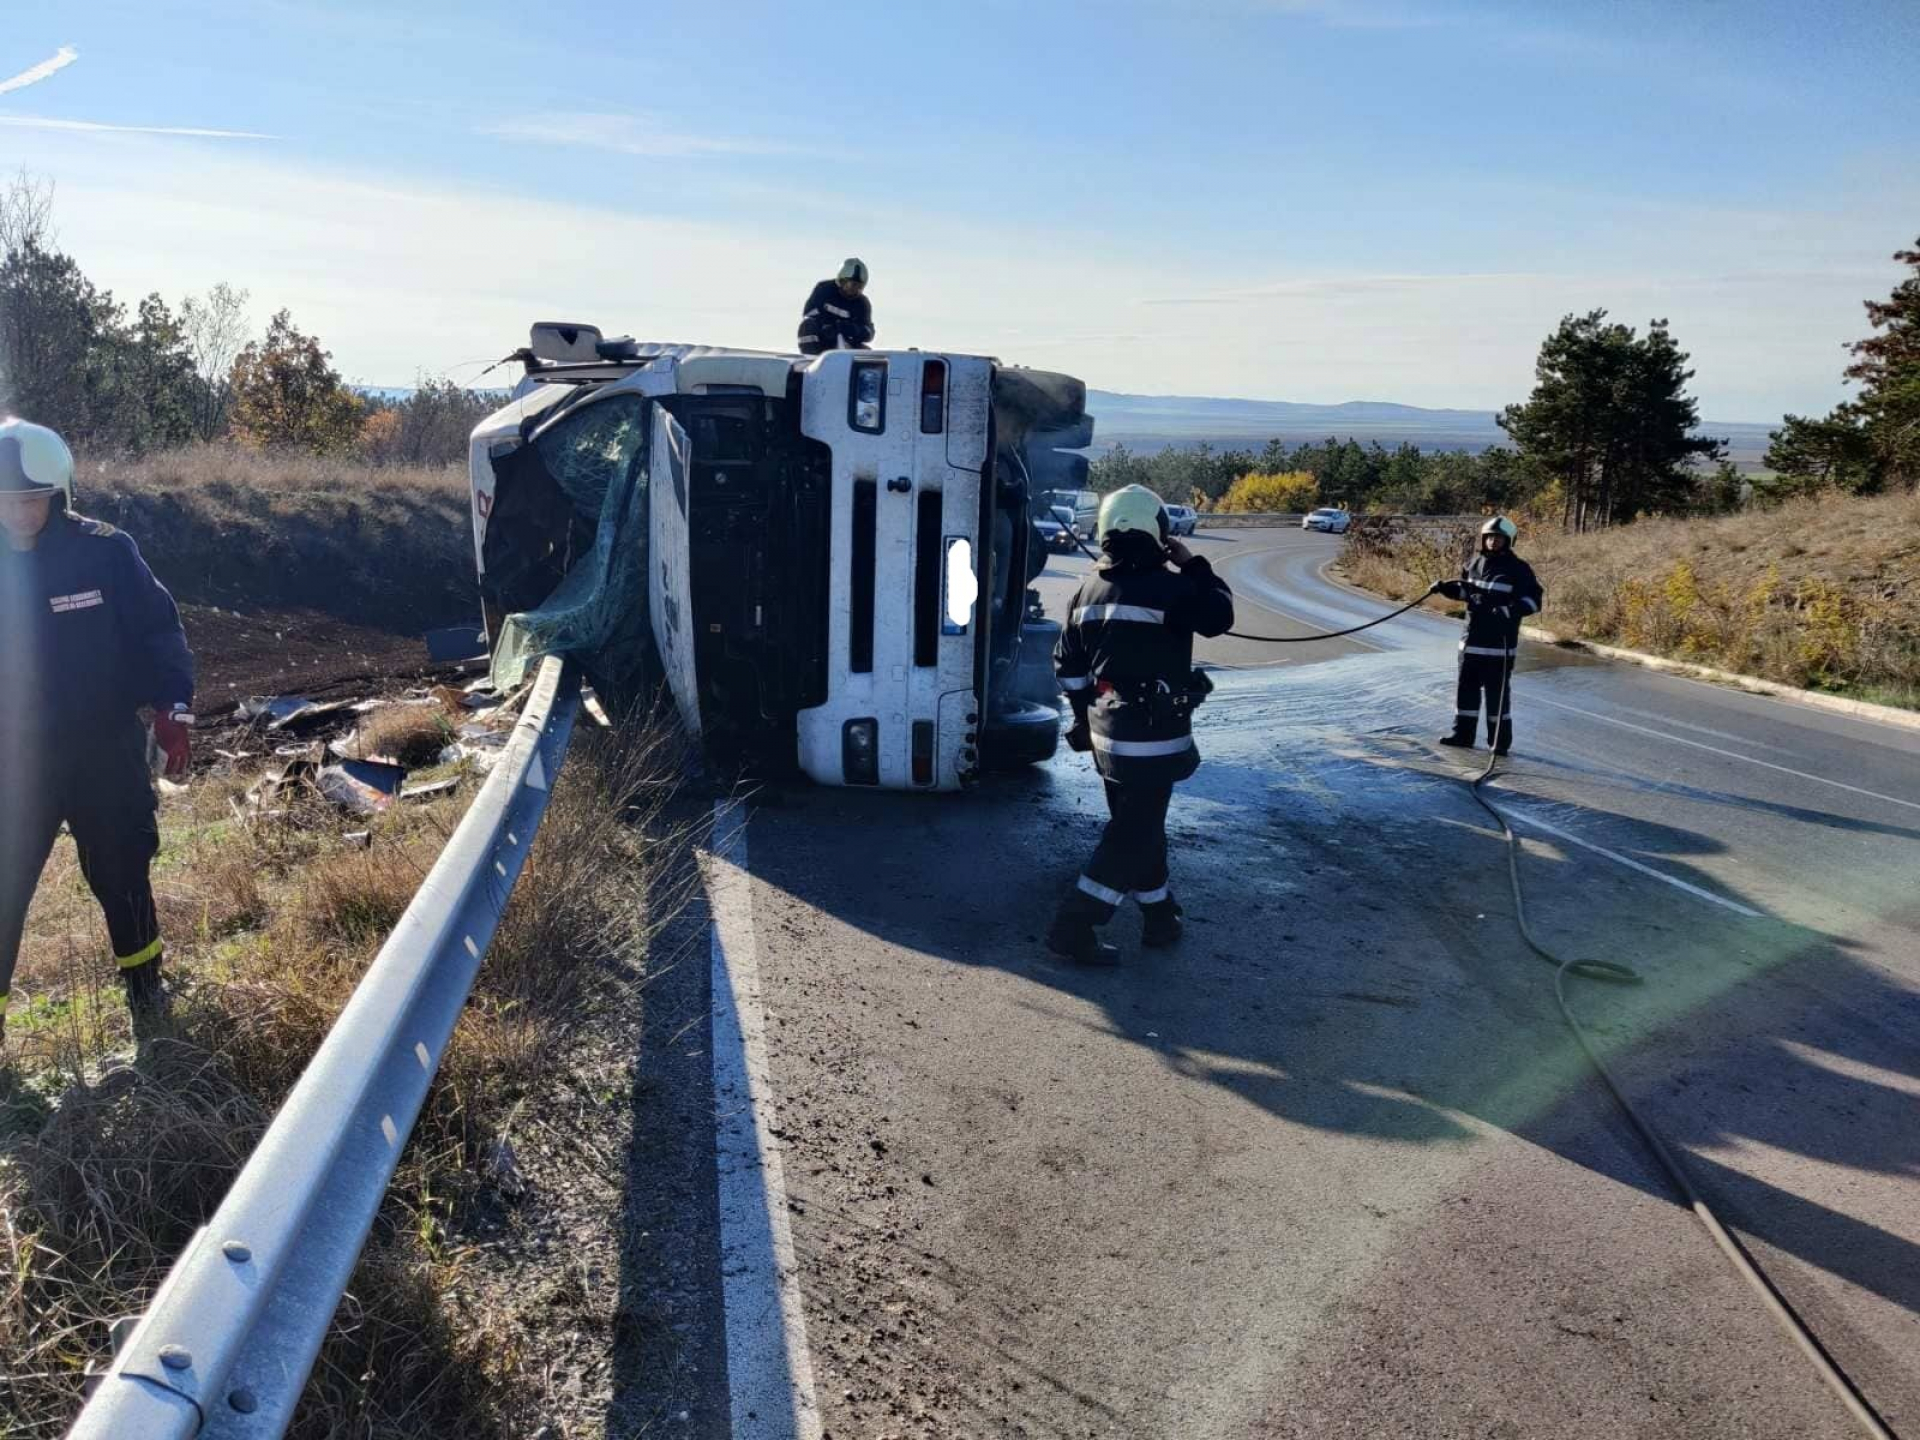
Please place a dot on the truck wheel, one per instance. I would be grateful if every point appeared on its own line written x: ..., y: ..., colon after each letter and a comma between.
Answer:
x: 1024, y: 733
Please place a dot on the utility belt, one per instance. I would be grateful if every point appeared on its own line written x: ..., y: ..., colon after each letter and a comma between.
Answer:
x: 1164, y: 704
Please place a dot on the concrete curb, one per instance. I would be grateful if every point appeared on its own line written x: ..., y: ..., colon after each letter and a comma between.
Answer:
x: 1753, y: 684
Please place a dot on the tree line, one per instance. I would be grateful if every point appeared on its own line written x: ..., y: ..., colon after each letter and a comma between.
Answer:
x: 119, y: 379
x: 1608, y: 433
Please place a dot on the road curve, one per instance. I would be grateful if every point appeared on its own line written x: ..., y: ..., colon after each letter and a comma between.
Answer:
x: 1333, y: 1167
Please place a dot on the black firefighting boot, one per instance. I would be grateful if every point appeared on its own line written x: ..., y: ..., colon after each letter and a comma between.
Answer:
x: 1161, y: 925
x: 1461, y: 737
x: 1073, y: 937
x: 147, y: 1000
x: 1503, y: 740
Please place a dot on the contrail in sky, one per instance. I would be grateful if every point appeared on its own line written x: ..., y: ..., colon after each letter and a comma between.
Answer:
x: 95, y: 127
x: 59, y: 60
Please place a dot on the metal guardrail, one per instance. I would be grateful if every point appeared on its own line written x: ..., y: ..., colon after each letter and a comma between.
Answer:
x: 225, y: 1347
x: 1241, y: 519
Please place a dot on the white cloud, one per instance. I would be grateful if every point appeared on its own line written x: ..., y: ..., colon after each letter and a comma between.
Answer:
x: 95, y: 127
x: 58, y: 61
x: 398, y: 275
x: 627, y: 135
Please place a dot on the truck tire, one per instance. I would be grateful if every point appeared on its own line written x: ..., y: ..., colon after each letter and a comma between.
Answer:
x: 1024, y: 733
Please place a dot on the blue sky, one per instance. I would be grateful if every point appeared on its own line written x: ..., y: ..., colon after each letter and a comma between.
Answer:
x: 1314, y: 200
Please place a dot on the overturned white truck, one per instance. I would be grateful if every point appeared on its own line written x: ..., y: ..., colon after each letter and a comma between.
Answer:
x: 826, y: 560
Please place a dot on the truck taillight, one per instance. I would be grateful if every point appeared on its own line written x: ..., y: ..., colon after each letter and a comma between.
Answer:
x: 933, y: 397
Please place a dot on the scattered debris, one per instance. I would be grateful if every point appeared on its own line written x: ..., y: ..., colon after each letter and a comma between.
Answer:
x: 429, y: 788
x: 290, y: 712
x: 365, y: 786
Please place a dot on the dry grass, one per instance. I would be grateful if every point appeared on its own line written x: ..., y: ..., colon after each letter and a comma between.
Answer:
x: 412, y: 735
x: 245, y: 530
x: 107, y: 1166
x: 1819, y: 593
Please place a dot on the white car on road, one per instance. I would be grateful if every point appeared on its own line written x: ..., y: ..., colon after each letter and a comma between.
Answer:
x: 1329, y: 518
x: 1182, y: 520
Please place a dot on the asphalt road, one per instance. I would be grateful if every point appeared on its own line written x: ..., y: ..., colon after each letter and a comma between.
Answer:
x: 1334, y: 1167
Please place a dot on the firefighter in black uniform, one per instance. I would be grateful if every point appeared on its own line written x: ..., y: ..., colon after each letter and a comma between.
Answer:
x: 838, y: 315
x: 87, y: 637
x: 1499, y: 590
x: 1125, y: 660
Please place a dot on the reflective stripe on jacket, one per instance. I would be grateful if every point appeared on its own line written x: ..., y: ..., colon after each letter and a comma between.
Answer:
x: 1500, y: 591
x: 831, y: 315
x: 1125, y: 661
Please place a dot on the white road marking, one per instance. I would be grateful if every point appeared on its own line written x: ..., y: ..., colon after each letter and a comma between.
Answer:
x: 769, y: 1370
x: 1522, y: 818
x: 1716, y: 750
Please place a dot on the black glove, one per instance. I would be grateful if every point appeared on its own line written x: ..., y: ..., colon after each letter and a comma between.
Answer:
x: 1080, y: 737
x: 1452, y: 589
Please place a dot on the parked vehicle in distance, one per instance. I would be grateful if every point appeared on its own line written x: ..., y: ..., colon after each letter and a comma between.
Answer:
x: 1057, y: 530
x: 1328, y: 518
x: 1081, y: 509
x: 825, y: 560
x: 1182, y: 519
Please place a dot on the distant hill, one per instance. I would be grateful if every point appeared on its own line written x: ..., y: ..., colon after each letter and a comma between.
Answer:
x: 1155, y: 422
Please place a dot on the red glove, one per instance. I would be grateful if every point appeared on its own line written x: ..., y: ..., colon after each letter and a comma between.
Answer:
x: 173, y: 731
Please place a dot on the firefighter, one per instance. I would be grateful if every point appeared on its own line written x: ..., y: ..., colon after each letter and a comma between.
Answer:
x: 87, y: 637
x: 1125, y: 661
x: 838, y: 315
x: 1499, y: 590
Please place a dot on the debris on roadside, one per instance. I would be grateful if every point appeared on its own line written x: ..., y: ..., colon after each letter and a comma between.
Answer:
x: 427, y: 789
x: 290, y: 712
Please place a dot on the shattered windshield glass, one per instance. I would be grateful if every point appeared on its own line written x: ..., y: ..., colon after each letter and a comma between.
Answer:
x: 597, y: 458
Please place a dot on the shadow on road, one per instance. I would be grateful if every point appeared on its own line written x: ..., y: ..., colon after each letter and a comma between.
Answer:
x: 1352, y: 967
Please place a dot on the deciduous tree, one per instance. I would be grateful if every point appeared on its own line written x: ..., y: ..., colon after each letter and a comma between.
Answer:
x: 286, y: 393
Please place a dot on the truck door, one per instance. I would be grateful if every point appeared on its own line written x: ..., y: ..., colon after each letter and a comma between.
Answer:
x: 669, y: 581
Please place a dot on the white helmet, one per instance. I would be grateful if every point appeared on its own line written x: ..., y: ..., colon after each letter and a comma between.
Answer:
x: 855, y: 270
x: 1134, y: 507
x: 1500, y: 525
x: 33, y: 460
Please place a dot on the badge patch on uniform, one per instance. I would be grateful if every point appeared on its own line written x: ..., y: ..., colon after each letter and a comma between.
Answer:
x: 79, y: 600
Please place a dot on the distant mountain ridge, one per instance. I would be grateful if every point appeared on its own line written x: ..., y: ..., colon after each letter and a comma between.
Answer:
x: 1154, y: 422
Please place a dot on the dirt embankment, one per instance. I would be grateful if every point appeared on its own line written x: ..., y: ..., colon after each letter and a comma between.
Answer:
x: 1821, y: 593
x: 292, y: 570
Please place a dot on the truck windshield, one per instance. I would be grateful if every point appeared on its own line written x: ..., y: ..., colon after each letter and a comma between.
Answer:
x: 583, y: 484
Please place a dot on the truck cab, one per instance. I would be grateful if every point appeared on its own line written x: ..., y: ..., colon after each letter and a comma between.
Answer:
x: 824, y: 561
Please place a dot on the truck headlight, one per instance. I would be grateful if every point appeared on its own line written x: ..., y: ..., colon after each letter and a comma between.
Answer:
x: 867, y: 404
x: 860, y: 752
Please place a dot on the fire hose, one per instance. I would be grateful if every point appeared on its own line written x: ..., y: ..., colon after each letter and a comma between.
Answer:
x: 1612, y: 972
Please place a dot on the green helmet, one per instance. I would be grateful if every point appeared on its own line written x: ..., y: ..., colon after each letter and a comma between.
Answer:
x: 855, y: 270
x: 1500, y: 525
x: 1134, y: 507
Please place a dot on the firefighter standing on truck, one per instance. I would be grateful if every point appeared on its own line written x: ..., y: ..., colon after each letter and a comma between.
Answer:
x: 87, y: 637
x: 838, y: 315
x: 1125, y: 661
x: 1499, y: 589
